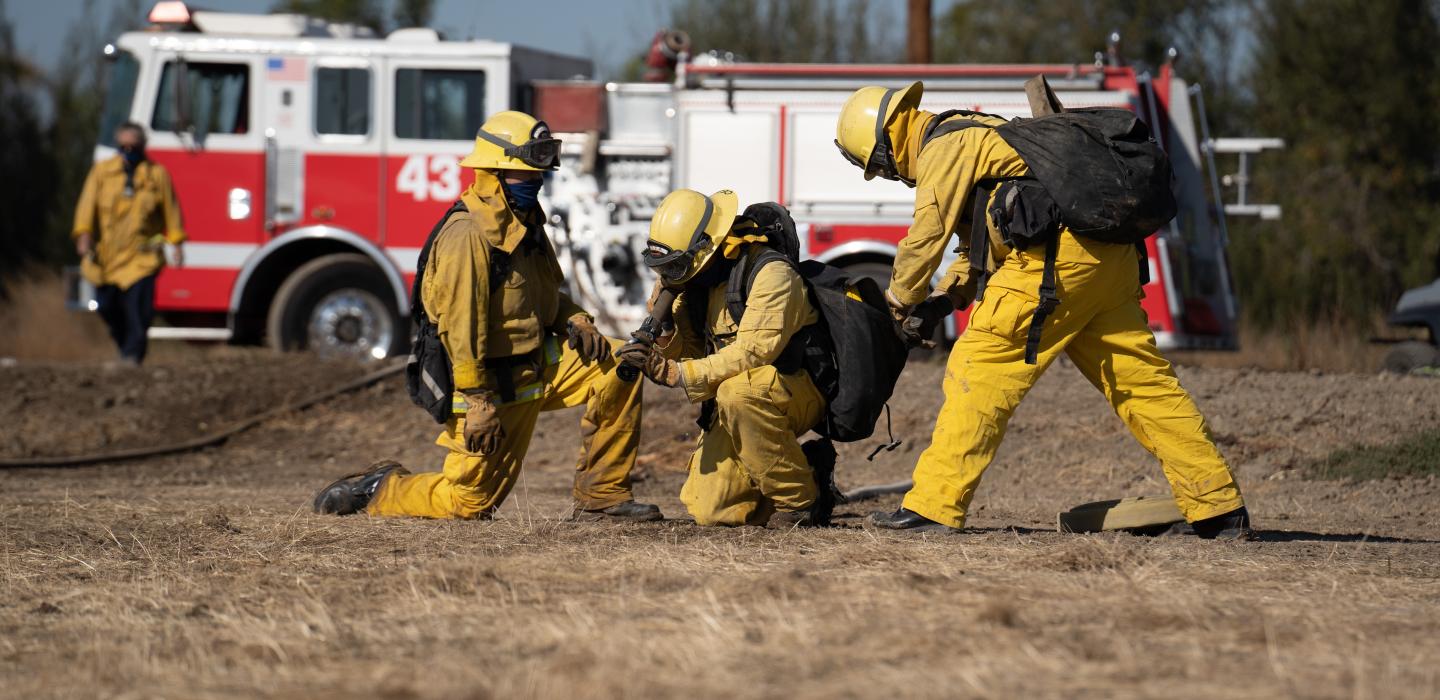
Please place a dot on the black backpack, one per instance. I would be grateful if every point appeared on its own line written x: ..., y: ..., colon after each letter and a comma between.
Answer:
x: 1098, y: 172
x: 429, y: 377
x: 854, y: 354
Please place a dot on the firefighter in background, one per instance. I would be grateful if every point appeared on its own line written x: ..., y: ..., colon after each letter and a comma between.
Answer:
x: 517, y: 346
x: 126, y: 215
x: 748, y: 468
x: 1100, y: 325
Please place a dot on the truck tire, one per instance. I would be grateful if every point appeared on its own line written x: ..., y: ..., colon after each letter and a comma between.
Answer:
x: 337, y: 306
x: 1411, y: 355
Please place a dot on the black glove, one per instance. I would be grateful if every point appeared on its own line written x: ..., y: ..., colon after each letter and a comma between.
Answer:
x: 919, y: 327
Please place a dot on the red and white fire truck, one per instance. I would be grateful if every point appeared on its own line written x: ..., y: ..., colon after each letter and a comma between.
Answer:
x: 311, y: 159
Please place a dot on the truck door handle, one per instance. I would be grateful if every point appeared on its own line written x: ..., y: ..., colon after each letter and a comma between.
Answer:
x: 239, y: 204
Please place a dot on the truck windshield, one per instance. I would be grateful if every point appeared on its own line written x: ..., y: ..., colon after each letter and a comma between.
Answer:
x: 119, y: 95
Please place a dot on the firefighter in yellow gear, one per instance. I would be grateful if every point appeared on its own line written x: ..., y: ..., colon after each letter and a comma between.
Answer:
x: 748, y: 467
x: 126, y: 214
x: 1100, y: 325
x: 517, y: 346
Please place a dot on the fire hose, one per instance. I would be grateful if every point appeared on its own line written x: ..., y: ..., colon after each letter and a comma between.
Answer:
x: 204, y: 440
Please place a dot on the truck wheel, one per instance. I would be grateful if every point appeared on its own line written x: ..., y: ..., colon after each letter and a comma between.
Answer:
x: 336, y: 306
x: 1411, y: 355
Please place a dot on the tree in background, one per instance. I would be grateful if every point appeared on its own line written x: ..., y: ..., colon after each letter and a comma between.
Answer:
x: 1351, y: 85
x: 365, y: 13
x: 25, y: 159
x: 1035, y: 31
x: 414, y: 13
x: 818, y: 31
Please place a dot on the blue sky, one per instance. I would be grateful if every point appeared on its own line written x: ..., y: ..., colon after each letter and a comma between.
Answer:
x: 606, y: 31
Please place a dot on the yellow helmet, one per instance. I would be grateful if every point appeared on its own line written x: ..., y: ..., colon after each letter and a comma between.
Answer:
x: 860, y: 131
x: 686, y: 232
x: 514, y: 141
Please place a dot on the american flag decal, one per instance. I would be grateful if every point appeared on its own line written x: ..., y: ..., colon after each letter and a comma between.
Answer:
x: 280, y: 68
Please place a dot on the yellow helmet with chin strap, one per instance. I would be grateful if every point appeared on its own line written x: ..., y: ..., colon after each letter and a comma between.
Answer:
x: 860, y: 132
x: 514, y: 141
x: 687, y: 231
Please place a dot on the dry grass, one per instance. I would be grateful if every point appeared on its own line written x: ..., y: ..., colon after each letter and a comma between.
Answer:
x: 38, y: 326
x: 140, y: 598
x: 1330, y: 346
x: 203, y: 575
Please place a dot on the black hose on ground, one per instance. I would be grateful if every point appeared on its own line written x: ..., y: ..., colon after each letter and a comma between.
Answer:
x: 865, y: 493
x: 204, y: 440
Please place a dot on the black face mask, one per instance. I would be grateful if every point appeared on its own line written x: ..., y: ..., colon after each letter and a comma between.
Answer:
x: 132, y: 155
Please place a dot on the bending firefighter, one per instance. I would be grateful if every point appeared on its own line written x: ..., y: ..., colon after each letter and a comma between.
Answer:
x: 1097, y: 321
x: 126, y: 214
x: 497, y: 324
x: 748, y: 468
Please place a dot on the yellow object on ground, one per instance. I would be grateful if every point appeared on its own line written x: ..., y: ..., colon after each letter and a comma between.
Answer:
x: 472, y: 485
x: 130, y: 230
x: 1137, y: 513
x: 749, y: 463
x: 1099, y: 324
x: 478, y: 320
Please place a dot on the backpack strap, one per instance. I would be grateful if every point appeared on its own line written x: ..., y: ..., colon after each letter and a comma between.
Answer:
x: 980, y: 237
x: 417, y: 307
x: 742, y: 277
x: 499, y: 263
x: 943, y: 124
x: 737, y: 290
x: 1048, y: 301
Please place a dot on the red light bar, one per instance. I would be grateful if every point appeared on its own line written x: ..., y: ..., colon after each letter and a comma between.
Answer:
x: 170, y: 12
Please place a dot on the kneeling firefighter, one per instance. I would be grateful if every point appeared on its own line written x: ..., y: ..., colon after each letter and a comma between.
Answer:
x: 749, y: 467
x: 497, y: 342
x: 1069, y: 255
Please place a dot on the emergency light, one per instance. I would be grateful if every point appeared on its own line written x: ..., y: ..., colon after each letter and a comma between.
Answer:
x: 170, y: 12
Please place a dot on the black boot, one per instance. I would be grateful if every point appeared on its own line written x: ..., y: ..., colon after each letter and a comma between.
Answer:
x: 352, y: 493
x: 903, y: 519
x: 629, y: 510
x: 820, y: 455
x: 1234, y: 525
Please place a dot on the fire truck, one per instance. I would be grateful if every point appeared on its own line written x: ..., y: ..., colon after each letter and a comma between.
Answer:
x: 311, y: 159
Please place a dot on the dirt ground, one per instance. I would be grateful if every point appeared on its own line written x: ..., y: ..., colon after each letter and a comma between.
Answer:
x: 205, y: 575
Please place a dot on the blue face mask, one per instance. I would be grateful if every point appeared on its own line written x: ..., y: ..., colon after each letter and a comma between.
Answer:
x: 524, y: 195
x: 133, y: 156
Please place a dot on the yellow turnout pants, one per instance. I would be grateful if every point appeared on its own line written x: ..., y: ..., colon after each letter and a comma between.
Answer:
x: 749, y: 463
x: 472, y: 485
x: 1100, y: 325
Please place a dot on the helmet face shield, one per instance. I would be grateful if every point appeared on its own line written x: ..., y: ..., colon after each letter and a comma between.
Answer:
x: 538, y: 153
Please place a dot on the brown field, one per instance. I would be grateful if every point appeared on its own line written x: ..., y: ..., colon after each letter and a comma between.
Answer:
x: 205, y: 575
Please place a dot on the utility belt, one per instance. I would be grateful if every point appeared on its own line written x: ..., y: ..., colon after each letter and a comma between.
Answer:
x: 504, y: 371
